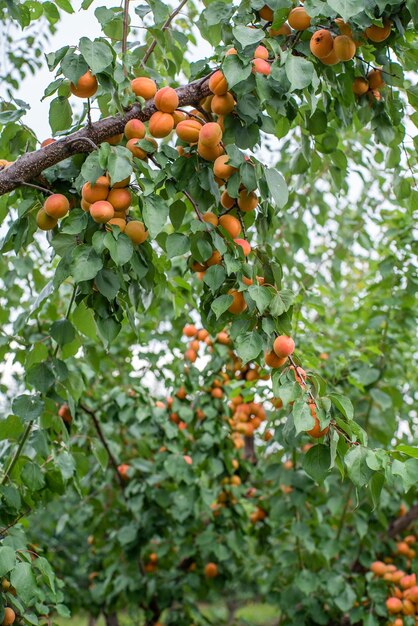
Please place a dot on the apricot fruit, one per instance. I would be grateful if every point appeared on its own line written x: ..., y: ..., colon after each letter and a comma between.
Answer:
x: 121, y: 183
x: 266, y: 13
x: 9, y: 617
x: 343, y: 27
x: 344, y: 47
x: 238, y: 304
x: 223, y: 338
x: 98, y: 191
x: 261, y: 52
x: 231, y: 224
x: 331, y: 59
x: 47, y: 142
x: 114, y: 140
x: 231, y: 51
x: 214, y: 259
x: 360, y: 86
x: 394, y: 605
x: 188, y: 130
x: 218, y: 84
x: 144, y: 87
x: 190, y: 355
x: 222, y: 105
x: 190, y: 330
x: 85, y: 87
x: 244, y: 244
x: 321, y: 43
x: 283, y: 30
x: 120, y: 199
x: 299, y: 19
x: 139, y: 152
x: 123, y: 470
x: 211, y: 570
x: 316, y: 431
x: 210, y: 218
x: 161, y: 124
x: 375, y: 79
x: 85, y: 205
x: 56, y: 206
x: 209, y: 153
x: 247, y: 201
x: 116, y: 221
x: 222, y: 169
x: 227, y: 201
x: 166, y: 100
x: 102, y: 211
x: 65, y: 414
x: 379, y: 33
x: 134, y: 129
x: 283, y: 346
x: 44, y: 221
x: 136, y: 231
x: 210, y: 134
x: 261, y: 67
x: 272, y: 360
x: 179, y: 116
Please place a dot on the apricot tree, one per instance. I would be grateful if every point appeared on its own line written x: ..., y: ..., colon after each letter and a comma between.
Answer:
x: 208, y: 283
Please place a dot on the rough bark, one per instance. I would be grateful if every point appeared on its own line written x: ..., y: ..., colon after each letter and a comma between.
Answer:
x: 31, y: 164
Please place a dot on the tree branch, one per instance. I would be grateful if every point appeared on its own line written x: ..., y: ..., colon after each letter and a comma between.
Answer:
x: 31, y: 164
x: 165, y: 27
x: 102, y: 438
x: 401, y: 523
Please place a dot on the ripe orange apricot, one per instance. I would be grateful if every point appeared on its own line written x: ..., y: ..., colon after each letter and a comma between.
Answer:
x: 244, y: 244
x: 102, y: 211
x: 190, y: 355
x: 299, y: 19
x: 394, y: 605
x: 123, y: 471
x: 144, y: 87
x: 211, y: 570
x: 247, y: 281
x: 44, y: 221
x: 238, y: 304
x: 214, y: 259
x: 209, y: 153
x: 85, y: 87
x: 121, y: 183
x: 360, y: 86
x: 188, y: 130
x: 120, y: 199
x: 231, y: 224
x: 217, y: 393
x: 321, y: 43
x: 137, y: 151
x: 136, y: 231
x: 9, y: 616
x: 343, y: 27
x: 47, y: 142
x: 179, y: 116
x: 284, y: 30
x: 161, y: 124
x: 223, y: 338
x: 227, y: 201
x: 231, y: 51
x: 261, y: 67
x: 344, y: 47
x: 316, y: 431
x: 56, y: 205
x: 211, y: 218
x: 218, y: 84
x: 222, y: 169
x: 375, y: 79
x: 222, y: 105
x: 134, y: 128
x: 283, y: 346
x: 98, y: 191
x: 166, y: 100
x: 247, y: 201
x: 266, y: 13
x: 272, y: 360
x: 65, y: 414
x: 114, y: 140
x: 261, y: 52
x: 116, y: 221
x: 210, y: 134
x: 379, y: 33
x: 190, y: 330
x: 85, y: 205
x: 331, y: 59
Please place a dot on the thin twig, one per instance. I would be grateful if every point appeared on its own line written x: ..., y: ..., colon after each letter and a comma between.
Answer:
x: 85, y: 139
x: 194, y: 205
x: 125, y: 29
x: 102, y: 438
x: 242, y: 224
x: 22, y: 182
x: 165, y: 27
x: 6, y: 528
x: 17, y: 453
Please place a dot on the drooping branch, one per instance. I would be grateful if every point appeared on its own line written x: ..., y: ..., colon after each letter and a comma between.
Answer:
x: 30, y: 165
x: 401, y: 523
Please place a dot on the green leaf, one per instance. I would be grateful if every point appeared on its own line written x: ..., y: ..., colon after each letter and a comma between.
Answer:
x: 407, y: 471
x: 62, y: 331
x: 155, y: 213
x: 121, y: 249
x: 261, y: 295
x: 357, y: 468
x: 347, y: 8
x: 60, y: 114
x: 65, y: 5
x: 247, y: 36
x: 85, y: 263
x: 281, y: 302
x: 10, y: 428
x: 300, y: 72
x: 177, y: 244
x: 214, y: 277
x: 249, y: 346
x: 108, y: 283
x: 409, y: 450
x: 277, y: 187
x: 221, y: 304
x: 98, y: 54
x: 83, y: 320
x: 40, y: 376
x: 234, y: 70
x: 73, y: 66
x: 23, y: 580
x: 27, y: 407
x: 343, y: 404
x: 100, y: 454
x: 7, y: 560
x: 316, y: 462
x: 119, y: 163
x: 32, y: 476
x: 302, y: 416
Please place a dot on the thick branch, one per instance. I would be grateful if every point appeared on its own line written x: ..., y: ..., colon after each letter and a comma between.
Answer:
x: 401, y: 523
x: 32, y: 164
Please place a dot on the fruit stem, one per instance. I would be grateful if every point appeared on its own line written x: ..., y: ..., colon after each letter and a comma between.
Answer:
x: 44, y: 189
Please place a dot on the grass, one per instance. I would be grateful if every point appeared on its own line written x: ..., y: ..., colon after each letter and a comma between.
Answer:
x: 250, y: 615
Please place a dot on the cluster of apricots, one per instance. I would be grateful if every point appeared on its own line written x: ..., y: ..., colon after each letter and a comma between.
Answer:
x: 246, y: 418
x: 402, y: 587
x: 9, y: 614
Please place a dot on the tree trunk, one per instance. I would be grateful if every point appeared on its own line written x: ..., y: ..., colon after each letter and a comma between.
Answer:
x: 92, y: 621
x: 111, y: 619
